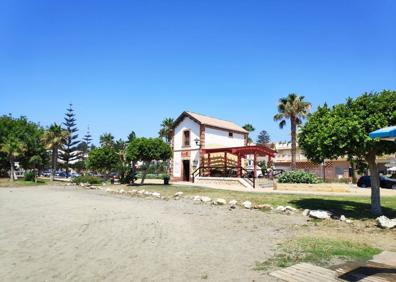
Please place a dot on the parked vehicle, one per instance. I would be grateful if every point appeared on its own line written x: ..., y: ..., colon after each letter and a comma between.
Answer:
x: 385, y: 182
x: 60, y: 174
x: 46, y: 173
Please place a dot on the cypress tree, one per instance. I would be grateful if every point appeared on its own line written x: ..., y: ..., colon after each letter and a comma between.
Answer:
x: 70, y: 154
x: 88, y: 139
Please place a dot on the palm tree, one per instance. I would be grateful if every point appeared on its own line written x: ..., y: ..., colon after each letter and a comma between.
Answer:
x: 249, y: 128
x: 54, y: 139
x: 166, y: 130
x: 13, y: 148
x: 294, y: 109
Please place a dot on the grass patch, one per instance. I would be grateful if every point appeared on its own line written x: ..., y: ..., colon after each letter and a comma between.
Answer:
x: 5, y: 182
x: 319, y: 251
x: 350, y: 206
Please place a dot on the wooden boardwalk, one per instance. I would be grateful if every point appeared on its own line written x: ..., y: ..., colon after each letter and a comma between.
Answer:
x: 356, y: 271
x: 305, y: 272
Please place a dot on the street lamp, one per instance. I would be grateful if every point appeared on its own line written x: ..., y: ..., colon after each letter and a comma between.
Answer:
x: 197, y: 142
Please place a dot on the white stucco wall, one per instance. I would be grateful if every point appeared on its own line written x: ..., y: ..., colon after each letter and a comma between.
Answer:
x: 216, y: 138
x: 186, y: 124
x: 195, y: 128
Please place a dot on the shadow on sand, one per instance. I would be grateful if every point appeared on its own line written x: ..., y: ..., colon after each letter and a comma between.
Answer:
x: 351, y: 209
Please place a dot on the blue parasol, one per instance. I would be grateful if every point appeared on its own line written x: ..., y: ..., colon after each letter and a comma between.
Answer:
x: 386, y: 133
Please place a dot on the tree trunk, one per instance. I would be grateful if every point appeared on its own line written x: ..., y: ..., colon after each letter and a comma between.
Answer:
x: 375, y: 185
x: 12, y: 172
x: 144, y: 174
x: 353, y: 171
x: 323, y: 166
x: 293, y: 142
x: 53, y: 166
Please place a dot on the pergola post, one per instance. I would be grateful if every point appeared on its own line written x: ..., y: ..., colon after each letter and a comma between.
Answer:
x: 269, y: 166
x: 255, y: 165
x: 225, y: 164
x: 209, y: 164
x: 239, y: 166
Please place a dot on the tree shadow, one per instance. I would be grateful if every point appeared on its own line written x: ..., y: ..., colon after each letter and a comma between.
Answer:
x: 365, y: 272
x: 351, y: 209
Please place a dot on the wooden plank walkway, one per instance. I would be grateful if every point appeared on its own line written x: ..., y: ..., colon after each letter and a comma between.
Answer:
x: 351, y: 272
x: 305, y: 272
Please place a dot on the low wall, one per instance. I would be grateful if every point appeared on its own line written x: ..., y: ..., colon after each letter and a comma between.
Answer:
x: 320, y: 187
x: 218, y: 181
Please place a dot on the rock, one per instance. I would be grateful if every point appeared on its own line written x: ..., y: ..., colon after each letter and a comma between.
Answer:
x: 319, y: 214
x: 247, y: 204
x: 156, y: 195
x: 141, y: 192
x: 205, y: 199
x: 348, y: 221
x: 220, y: 202
x: 289, y: 208
x: 386, y: 223
x: 233, y: 203
x: 178, y: 194
x: 122, y: 191
x: 280, y: 209
x: 148, y: 193
x: 263, y: 207
x: 306, y: 212
x: 132, y: 192
x: 342, y: 218
x: 197, y: 198
x: 109, y: 190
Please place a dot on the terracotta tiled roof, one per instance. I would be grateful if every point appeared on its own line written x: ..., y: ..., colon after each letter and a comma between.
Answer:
x: 211, y: 121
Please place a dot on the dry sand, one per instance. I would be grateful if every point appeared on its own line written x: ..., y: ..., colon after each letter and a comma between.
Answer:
x: 70, y: 234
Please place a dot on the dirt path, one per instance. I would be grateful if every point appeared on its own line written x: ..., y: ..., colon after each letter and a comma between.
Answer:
x: 62, y: 233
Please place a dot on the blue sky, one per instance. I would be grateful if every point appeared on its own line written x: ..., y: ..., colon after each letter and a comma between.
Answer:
x: 126, y: 65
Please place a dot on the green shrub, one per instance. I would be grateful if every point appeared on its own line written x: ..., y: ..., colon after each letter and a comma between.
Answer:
x: 29, y: 176
x: 87, y: 179
x: 298, y: 176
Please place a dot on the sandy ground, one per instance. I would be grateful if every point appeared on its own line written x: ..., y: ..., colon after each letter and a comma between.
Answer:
x: 70, y: 234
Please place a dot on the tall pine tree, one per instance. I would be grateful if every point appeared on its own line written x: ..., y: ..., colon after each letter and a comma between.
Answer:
x: 69, y: 153
x: 87, y: 140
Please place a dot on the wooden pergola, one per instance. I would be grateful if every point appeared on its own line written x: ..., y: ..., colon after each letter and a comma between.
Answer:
x: 241, y: 152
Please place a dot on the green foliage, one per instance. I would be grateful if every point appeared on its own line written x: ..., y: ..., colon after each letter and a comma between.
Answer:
x: 249, y: 128
x: 87, y: 179
x: 103, y: 159
x: 343, y: 130
x: 166, y: 131
x: 106, y: 140
x: 166, y: 177
x: 318, y: 251
x: 298, y: 176
x: 293, y: 108
x: 69, y: 151
x: 25, y: 132
x: 148, y: 149
x: 29, y: 176
x: 263, y: 138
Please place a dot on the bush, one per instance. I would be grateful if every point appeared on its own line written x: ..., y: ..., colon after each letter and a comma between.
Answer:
x: 87, y: 179
x: 29, y: 176
x: 298, y: 176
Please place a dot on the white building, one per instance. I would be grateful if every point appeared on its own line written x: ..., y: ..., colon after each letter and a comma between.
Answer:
x: 193, y: 133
